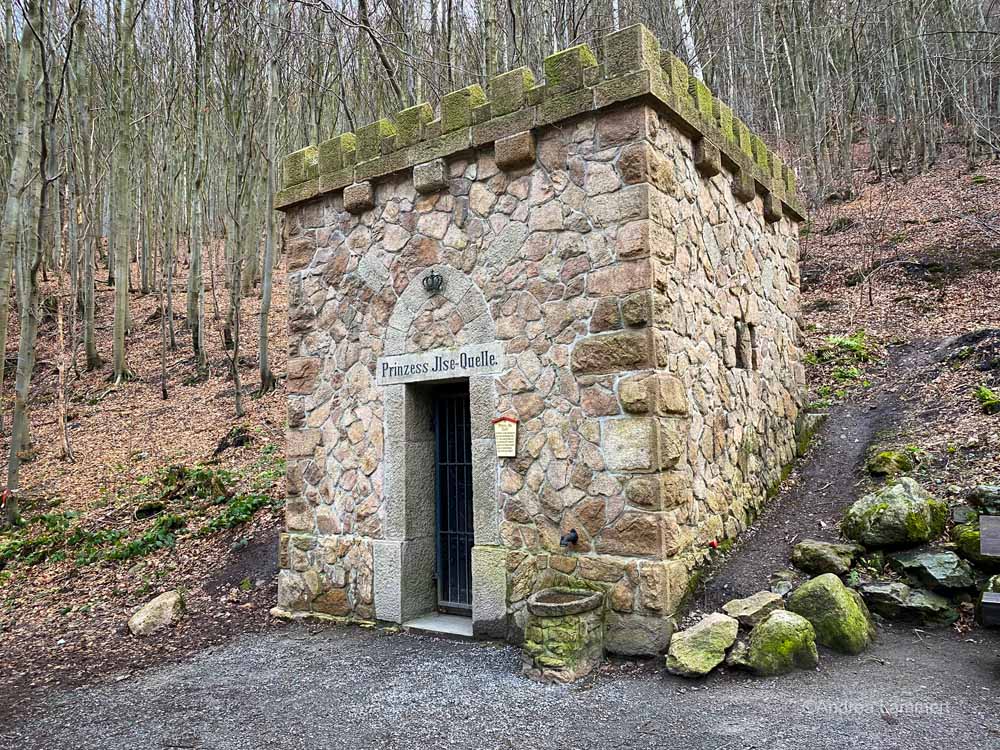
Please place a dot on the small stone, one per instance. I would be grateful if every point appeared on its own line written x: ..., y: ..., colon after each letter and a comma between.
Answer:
x: 837, y: 613
x: 160, y: 612
x: 753, y: 609
x: 897, y: 601
x: 782, y: 582
x: 816, y: 557
x: 992, y: 586
x: 702, y: 647
x: 889, y: 463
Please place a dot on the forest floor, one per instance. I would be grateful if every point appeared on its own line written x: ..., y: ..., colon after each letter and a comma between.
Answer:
x: 87, y: 562
x: 891, y: 279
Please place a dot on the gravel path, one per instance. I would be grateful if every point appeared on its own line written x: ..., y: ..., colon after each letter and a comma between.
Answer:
x: 352, y: 688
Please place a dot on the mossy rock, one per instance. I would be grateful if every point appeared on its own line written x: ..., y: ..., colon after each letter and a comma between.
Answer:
x: 889, y: 463
x: 702, y: 647
x: 967, y: 543
x: 992, y: 586
x: 901, y: 514
x: 838, y: 614
x: 784, y: 641
x: 817, y: 557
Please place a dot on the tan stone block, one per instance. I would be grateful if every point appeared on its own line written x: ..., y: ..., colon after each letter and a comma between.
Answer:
x: 619, y: 279
x: 618, y: 125
x: 515, y: 151
x: 675, y: 489
x: 612, y: 352
x: 663, y: 585
x: 707, y: 158
x: 670, y: 395
x: 621, y: 598
x: 634, y: 534
x: 298, y: 515
x: 637, y: 309
x: 301, y: 443
x: 606, y: 316
x: 672, y: 442
x: 301, y: 374
x: 299, y: 251
x: 359, y: 198
x: 641, y: 162
x: 634, y: 395
x: 563, y: 563
x: 283, y: 551
x: 644, y: 492
x: 600, y: 569
x: 630, y: 444
x: 333, y: 602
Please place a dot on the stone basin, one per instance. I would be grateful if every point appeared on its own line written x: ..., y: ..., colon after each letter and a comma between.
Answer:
x: 559, y: 602
x: 564, y: 637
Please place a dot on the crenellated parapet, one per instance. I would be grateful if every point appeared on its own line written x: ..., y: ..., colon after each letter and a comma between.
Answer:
x: 576, y: 82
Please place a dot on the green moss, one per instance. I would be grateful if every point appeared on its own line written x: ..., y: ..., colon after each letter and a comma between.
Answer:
x: 410, y: 123
x: 702, y: 96
x: 370, y: 137
x: 564, y: 71
x: 633, y: 48
x: 331, y: 152
x: 456, y: 108
x: 508, y: 91
x: 889, y: 463
x: 300, y: 166
x: 838, y: 615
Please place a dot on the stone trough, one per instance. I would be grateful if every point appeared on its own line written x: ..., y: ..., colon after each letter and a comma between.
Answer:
x: 564, y: 638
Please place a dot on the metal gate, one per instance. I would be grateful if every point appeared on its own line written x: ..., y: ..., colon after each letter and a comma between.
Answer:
x: 453, y: 480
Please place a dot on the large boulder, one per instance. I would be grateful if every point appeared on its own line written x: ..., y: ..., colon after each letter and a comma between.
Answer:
x: 897, y: 601
x: 753, y: 609
x: 838, y: 614
x: 986, y: 497
x: 937, y: 570
x: 702, y: 647
x: 889, y: 463
x: 902, y: 514
x: 783, y: 641
x: 816, y: 557
x: 160, y: 612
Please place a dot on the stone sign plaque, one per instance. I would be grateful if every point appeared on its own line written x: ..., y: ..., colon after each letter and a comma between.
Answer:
x: 438, y: 364
x: 505, y: 436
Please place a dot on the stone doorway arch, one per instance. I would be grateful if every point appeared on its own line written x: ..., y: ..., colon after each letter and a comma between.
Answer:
x: 405, y: 559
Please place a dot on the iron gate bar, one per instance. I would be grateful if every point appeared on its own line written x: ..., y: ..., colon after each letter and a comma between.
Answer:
x: 453, y: 490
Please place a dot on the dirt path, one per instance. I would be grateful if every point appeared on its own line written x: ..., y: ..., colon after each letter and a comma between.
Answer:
x: 823, y: 485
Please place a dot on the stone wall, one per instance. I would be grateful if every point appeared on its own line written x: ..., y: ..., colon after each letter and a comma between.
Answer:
x: 645, y: 301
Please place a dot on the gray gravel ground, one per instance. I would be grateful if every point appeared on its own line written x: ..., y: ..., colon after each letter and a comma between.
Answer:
x: 344, y: 687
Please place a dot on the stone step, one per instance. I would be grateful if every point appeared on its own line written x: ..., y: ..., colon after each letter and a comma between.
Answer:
x: 441, y: 625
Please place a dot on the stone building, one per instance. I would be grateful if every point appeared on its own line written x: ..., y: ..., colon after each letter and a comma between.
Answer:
x: 608, y: 257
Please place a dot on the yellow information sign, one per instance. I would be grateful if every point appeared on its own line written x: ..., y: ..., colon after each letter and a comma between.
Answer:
x: 505, y: 435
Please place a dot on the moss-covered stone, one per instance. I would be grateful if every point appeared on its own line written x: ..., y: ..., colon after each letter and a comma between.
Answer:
x: 300, y: 166
x: 967, y: 540
x: 296, y: 194
x: 702, y: 97
x: 456, y: 108
x: 410, y: 123
x: 370, y: 137
x: 564, y: 71
x: 816, y: 557
x: 898, y: 515
x: 889, y: 463
x: 702, y: 647
x: 632, y: 48
x: 508, y: 91
x: 992, y: 586
x: 784, y: 641
x: 679, y: 77
x: 838, y: 614
x: 331, y: 152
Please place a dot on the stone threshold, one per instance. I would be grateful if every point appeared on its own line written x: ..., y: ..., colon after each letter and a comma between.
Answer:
x: 441, y: 625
